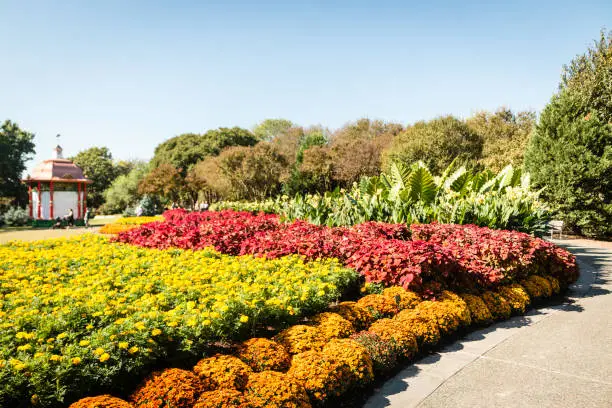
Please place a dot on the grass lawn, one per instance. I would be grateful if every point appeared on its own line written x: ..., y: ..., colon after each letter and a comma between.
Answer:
x: 104, y: 219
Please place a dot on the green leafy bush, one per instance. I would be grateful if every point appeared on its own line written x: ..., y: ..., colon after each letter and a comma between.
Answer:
x: 16, y: 216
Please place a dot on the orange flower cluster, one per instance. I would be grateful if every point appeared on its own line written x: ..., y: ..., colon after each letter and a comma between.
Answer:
x: 517, y: 297
x: 422, y: 325
x: 379, y: 306
x: 498, y: 306
x: 382, y: 352
x: 332, y: 325
x: 300, y: 338
x: 263, y: 354
x: 222, y: 371
x: 404, y: 299
x: 398, y: 333
x: 478, y: 309
x: 538, y: 287
x: 172, y: 387
x: 116, y: 228
x: 359, y: 316
x: 321, y: 375
x: 273, y: 389
x: 101, y: 401
x: 222, y: 398
x: 353, y: 354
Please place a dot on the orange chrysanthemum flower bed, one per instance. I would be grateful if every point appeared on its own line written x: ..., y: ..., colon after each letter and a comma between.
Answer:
x: 321, y: 375
x: 404, y: 299
x: 262, y: 354
x: 353, y: 354
x: 398, y: 333
x: 332, y: 325
x: 379, y: 305
x: 222, y: 398
x: 101, y: 401
x: 172, y: 387
x: 274, y: 389
x: 300, y: 338
x: 222, y: 371
x: 359, y: 316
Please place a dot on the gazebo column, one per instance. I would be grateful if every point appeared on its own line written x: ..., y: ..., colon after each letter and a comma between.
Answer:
x: 51, y: 200
x: 84, y: 198
x: 79, y: 200
x: 30, y: 199
x: 39, y: 201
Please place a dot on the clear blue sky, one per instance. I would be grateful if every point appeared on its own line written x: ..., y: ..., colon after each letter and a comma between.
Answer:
x: 130, y: 74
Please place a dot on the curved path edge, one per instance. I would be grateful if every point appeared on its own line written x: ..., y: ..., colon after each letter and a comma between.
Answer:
x: 414, y: 385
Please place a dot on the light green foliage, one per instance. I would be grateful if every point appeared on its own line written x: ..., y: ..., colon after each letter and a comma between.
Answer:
x: 15, y: 216
x: 270, y: 129
x: 16, y: 148
x: 505, y: 135
x: 123, y: 192
x: 97, y: 164
x: 413, y: 195
x: 570, y: 151
x: 436, y: 143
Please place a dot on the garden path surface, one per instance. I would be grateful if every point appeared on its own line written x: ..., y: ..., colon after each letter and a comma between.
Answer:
x: 555, y: 356
x: 36, y: 234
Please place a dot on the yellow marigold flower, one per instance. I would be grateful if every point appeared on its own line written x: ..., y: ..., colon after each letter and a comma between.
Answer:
x: 133, y: 350
x: 104, y: 357
x: 123, y: 345
x: 84, y: 343
x: 55, y: 358
x: 155, y: 332
x: 244, y: 319
x: 76, y: 360
x: 98, y: 351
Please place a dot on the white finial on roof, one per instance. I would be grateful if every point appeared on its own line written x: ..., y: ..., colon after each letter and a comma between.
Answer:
x: 57, y: 151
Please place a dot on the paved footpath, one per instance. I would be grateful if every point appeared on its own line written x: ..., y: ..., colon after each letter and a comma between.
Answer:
x: 558, y: 356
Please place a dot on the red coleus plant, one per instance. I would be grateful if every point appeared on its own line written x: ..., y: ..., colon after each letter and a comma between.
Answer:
x: 423, y: 256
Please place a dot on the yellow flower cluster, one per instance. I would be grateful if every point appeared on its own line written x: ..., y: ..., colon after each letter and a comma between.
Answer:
x: 359, y: 316
x: 478, y: 309
x: 333, y: 325
x: 139, y: 220
x: 397, y: 332
x: 299, y: 338
x: 274, y: 389
x: 378, y: 305
x: 87, y: 303
x: 422, y: 325
x: 498, y: 306
x: 355, y: 355
x: 538, y: 286
x: 517, y: 297
x: 405, y: 299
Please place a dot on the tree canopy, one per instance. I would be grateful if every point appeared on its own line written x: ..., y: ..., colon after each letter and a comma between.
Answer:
x: 270, y: 129
x: 97, y: 164
x: 16, y: 148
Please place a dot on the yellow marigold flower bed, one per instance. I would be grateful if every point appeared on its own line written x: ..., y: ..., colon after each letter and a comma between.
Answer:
x: 405, y: 299
x: 321, y: 375
x: 169, y: 388
x: 333, y: 325
x: 498, y: 306
x: 458, y: 306
x: 478, y: 309
x: 85, y: 305
x: 222, y: 398
x: 101, y: 401
x: 378, y: 305
x: 271, y: 389
x: 222, y: 371
x: 359, y: 316
x: 517, y: 297
x: 393, y: 330
x: 424, y: 327
x: 299, y: 338
x: 263, y: 354
x: 355, y: 355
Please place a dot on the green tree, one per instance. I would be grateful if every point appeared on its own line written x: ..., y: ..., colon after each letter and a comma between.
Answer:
x: 16, y: 148
x: 570, y: 155
x: 436, y: 143
x: 185, y: 150
x: 123, y: 192
x: 97, y: 164
x: 505, y: 135
x: 164, y: 181
x: 270, y: 129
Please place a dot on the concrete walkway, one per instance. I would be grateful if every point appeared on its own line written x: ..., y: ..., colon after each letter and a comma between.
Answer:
x: 552, y: 357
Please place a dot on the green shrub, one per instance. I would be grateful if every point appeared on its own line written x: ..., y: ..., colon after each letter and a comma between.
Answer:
x: 16, y: 216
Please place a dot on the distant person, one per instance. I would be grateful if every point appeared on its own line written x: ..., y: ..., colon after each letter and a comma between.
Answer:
x: 139, y: 211
x: 86, y: 218
x: 70, y: 217
x: 58, y: 223
x: 203, y: 206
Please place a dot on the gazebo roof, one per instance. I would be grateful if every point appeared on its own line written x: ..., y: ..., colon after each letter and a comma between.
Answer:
x: 60, y: 170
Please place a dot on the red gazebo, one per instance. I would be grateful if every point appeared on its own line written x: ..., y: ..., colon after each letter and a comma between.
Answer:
x: 56, y: 186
